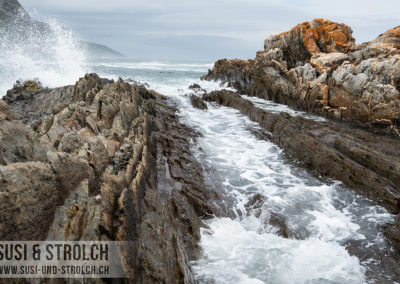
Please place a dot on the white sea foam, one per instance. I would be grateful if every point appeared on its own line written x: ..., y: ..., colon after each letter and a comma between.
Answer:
x: 235, y: 254
x: 54, y: 57
x: 158, y: 65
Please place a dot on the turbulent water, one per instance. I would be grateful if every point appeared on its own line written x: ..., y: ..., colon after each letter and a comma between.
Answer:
x: 54, y: 57
x: 322, y: 217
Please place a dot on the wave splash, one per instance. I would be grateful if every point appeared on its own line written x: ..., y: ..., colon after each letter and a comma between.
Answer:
x: 34, y: 50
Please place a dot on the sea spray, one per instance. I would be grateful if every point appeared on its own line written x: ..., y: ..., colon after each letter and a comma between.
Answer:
x: 48, y: 52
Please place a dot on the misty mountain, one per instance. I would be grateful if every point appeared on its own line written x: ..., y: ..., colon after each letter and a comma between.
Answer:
x: 11, y: 8
x: 97, y: 50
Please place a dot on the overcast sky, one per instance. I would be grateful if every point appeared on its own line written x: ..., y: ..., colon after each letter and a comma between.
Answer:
x: 204, y: 30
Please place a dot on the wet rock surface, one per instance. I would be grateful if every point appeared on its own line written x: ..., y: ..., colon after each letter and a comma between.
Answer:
x: 197, y: 102
x: 105, y: 161
x: 317, y: 67
x: 273, y: 222
x: 392, y: 232
x: 197, y: 88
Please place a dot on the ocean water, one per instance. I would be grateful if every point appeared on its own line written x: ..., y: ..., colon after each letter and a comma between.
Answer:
x: 324, y: 218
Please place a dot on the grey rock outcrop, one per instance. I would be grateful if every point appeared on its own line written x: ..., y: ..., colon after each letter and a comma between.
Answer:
x: 197, y: 102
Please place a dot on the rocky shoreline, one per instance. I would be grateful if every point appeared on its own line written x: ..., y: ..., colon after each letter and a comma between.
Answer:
x: 106, y: 161
x: 318, y: 68
x: 366, y: 163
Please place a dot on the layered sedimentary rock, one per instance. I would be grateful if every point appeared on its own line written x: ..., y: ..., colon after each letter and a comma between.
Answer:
x: 317, y: 67
x: 104, y: 161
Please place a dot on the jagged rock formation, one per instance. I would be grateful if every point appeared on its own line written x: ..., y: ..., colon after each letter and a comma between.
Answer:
x: 310, y: 38
x: 104, y: 161
x: 317, y: 67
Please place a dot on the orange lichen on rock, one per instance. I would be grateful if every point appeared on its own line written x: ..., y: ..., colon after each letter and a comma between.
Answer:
x: 317, y: 36
x: 395, y: 32
x: 310, y: 37
x: 390, y: 38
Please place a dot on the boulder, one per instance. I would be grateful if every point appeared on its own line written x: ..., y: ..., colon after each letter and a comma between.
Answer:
x: 196, y: 88
x: 390, y: 37
x: 198, y: 102
x: 29, y: 197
